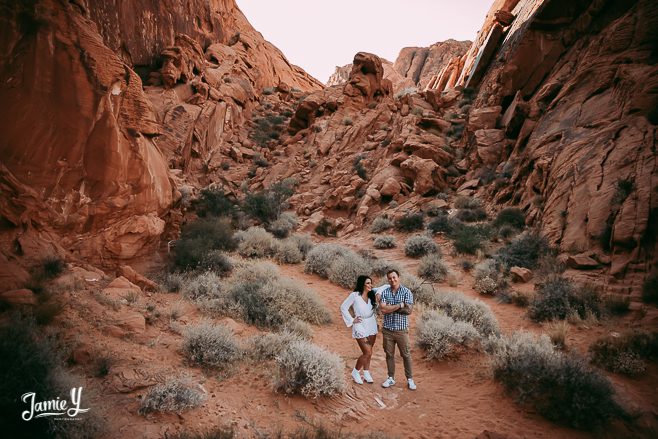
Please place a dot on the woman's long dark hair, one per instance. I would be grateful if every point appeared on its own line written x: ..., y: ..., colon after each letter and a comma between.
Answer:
x: 360, y: 285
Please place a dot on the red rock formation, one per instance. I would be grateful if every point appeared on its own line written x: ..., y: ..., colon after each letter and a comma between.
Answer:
x: 422, y: 64
x: 399, y: 82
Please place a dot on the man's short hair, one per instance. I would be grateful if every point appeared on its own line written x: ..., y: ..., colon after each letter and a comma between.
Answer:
x: 392, y: 270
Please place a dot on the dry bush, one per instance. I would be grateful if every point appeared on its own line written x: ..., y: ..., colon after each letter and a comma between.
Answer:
x: 420, y: 245
x: 212, y: 346
x: 381, y: 266
x: 255, y: 242
x: 299, y: 328
x: 421, y: 289
x: 282, y: 227
x: 470, y: 239
x: 442, y: 337
x: 558, y: 298
x: 463, y: 202
x: 202, y: 286
x: 461, y: 308
x: 432, y: 268
x: 287, y: 252
x: 267, y: 346
x: 557, y: 332
x: 306, y: 369
x: 380, y: 224
x: 216, y: 261
x: 384, y: 241
x: 471, y: 215
x: 319, y: 259
x: 200, y: 237
x: 175, y: 395
x: 172, y: 282
x: 347, y: 268
x: 561, y: 388
x: 445, y: 224
x: 616, y: 304
x: 489, y: 279
x: 304, y: 243
x: 625, y: 353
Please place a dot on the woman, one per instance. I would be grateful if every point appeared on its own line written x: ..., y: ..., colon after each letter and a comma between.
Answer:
x: 364, y: 324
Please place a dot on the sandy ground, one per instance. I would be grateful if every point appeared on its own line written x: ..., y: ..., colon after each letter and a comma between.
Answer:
x: 455, y: 399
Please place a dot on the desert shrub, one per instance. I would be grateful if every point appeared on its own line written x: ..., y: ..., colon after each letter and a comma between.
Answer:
x: 200, y: 237
x: 524, y: 251
x: 506, y: 232
x: 202, y: 286
x: 49, y: 268
x: 287, y: 252
x: 488, y: 277
x: 421, y: 289
x: 517, y: 298
x: 33, y: 362
x: 561, y: 388
x: 384, y: 241
x: 549, y: 265
x: 380, y: 224
x: 510, y: 216
x: 469, y: 239
x: 358, y: 167
x: 616, y: 304
x: 306, y: 369
x: 625, y: 353
x: 282, y: 227
x: 319, y: 259
x: 172, y: 282
x: 299, y: 328
x: 217, y: 262
x: 268, y: 346
x: 267, y: 300
x: 212, y: 346
x: 261, y: 161
x: 432, y: 268
x: 558, y: 297
x: 325, y: 228
x: 223, y: 432
x: 266, y: 205
x: 650, y: 288
x: 466, y: 265
x: 348, y: 121
x: 461, y: 308
x: 463, y: 202
x: 346, y: 268
x: 442, y: 337
x: 409, y: 222
x: 420, y: 245
x: 445, y: 224
x: 557, y: 332
x: 381, y: 266
x: 471, y: 215
x: 175, y: 395
x: 255, y: 242
x: 213, y: 202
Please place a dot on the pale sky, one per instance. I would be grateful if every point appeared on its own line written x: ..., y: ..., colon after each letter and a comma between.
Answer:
x: 318, y: 36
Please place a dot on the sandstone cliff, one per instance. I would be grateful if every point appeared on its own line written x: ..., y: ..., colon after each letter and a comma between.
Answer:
x: 342, y: 75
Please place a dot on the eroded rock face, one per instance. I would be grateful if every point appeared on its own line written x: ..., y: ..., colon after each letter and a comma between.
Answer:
x: 421, y: 65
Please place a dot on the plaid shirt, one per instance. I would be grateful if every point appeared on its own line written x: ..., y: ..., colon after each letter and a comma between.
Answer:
x: 396, y: 321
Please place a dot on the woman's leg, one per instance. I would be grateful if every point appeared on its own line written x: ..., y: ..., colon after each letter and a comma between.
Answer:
x: 366, y: 350
x: 371, y: 342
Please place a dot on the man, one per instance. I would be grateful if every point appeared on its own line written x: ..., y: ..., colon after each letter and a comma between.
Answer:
x: 396, y: 304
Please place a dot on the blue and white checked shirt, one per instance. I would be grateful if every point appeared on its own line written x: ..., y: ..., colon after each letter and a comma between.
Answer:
x: 396, y: 321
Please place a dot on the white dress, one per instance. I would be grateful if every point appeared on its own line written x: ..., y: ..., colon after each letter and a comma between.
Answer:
x: 363, y: 309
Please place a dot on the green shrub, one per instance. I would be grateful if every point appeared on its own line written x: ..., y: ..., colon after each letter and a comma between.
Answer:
x: 524, y: 251
x: 463, y: 309
x: 432, y: 268
x: 384, y: 241
x: 471, y: 215
x: 213, y: 202
x: 176, y: 395
x: 510, y: 216
x: 266, y: 205
x: 557, y: 298
x: 409, y: 222
x: 358, y: 167
x: 200, y: 237
x: 212, y: 346
x: 420, y: 245
x: 463, y: 202
x: 442, y: 337
x: 380, y: 224
x: 325, y: 228
x: 650, y: 288
x: 306, y: 369
x: 469, y: 239
x: 561, y: 388
x: 506, y: 231
x: 625, y: 353
x: 445, y: 224
x: 255, y: 242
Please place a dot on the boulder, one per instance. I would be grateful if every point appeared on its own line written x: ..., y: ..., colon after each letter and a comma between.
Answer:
x: 582, y: 261
x: 427, y: 176
x: 483, y: 118
x: 19, y: 297
x: 520, y: 274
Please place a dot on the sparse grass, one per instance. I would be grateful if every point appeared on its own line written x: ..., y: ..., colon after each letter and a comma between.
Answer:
x: 306, y: 369
x: 176, y: 395
x: 212, y: 346
x: 380, y: 224
x: 299, y: 328
x: 432, y: 268
x: 557, y: 332
x: 625, y: 353
x: 268, y: 346
x: 420, y: 245
x: 560, y: 387
x: 384, y: 242
x: 409, y: 222
x: 442, y: 337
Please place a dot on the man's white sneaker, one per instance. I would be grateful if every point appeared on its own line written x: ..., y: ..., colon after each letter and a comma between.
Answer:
x: 367, y: 377
x: 388, y: 383
x: 356, y: 376
x: 411, y: 384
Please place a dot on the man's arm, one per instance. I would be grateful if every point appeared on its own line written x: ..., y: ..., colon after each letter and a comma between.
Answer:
x: 406, y: 310
x: 388, y: 309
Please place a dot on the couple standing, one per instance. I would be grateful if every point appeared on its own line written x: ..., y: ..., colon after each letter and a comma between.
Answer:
x: 396, y: 303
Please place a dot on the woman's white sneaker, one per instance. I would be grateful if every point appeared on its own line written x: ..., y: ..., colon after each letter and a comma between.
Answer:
x: 388, y: 383
x: 356, y: 376
x: 367, y: 377
x: 411, y: 384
